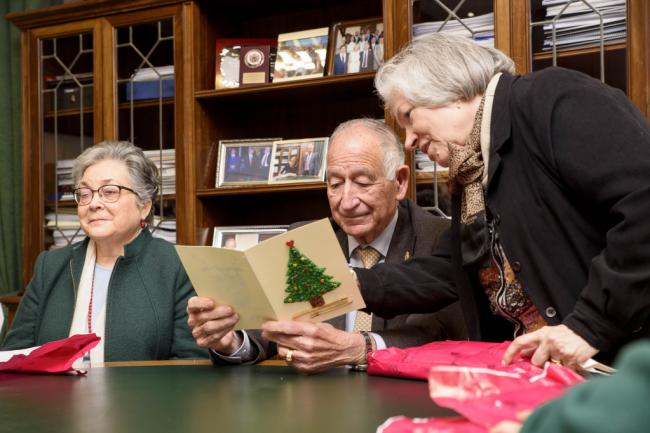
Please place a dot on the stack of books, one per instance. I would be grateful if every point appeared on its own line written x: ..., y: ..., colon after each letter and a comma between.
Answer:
x: 579, y: 26
x: 482, y: 28
x: 165, y: 160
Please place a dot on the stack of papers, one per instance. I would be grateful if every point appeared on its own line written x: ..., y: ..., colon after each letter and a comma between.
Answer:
x: 154, y: 74
x: 64, y: 179
x: 64, y: 226
x: 165, y: 160
x: 424, y: 164
x: 164, y: 229
x: 579, y: 25
x: 482, y: 28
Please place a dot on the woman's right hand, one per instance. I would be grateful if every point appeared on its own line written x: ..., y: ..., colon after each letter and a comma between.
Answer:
x: 213, y: 325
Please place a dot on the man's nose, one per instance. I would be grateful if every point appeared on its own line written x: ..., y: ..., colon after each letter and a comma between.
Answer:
x: 349, y: 199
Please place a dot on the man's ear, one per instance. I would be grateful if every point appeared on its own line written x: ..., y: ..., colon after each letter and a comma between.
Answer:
x: 402, y: 178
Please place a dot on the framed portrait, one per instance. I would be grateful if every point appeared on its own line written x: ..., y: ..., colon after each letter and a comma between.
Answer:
x: 244, y: 162
x: 301, y: 55
x: 356, y: 46
x: 243, y: 237
x: 301, y: 160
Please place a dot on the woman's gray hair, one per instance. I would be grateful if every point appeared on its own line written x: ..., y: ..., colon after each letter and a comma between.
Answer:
x: 142, y: 171
x: 391, y: 147
x: 439, y: 69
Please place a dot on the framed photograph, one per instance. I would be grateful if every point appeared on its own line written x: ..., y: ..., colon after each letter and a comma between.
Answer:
x: 301, y: 160
x: 244, y: 162
x: 243, y: 237
x: 356, y: 46
x: 301, y: 55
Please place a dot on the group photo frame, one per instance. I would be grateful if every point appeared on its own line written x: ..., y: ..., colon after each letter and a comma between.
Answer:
x: 299, y: 161
x: 244, y: 162
x: 356, y: 46
x: 243, y: 237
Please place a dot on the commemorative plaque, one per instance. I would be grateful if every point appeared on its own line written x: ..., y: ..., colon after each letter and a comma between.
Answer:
x: 254, y: 65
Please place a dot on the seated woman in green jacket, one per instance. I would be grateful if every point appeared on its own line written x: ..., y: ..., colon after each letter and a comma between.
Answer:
x: 119, y: 283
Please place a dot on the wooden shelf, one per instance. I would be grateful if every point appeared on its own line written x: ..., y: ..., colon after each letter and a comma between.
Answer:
x: 260, y: 189
x: 426, y: 177
x: 321, y: 83
x: 577, y: 51
x: 122, y: 106
x: 146, y: 103
x: 67, y: 112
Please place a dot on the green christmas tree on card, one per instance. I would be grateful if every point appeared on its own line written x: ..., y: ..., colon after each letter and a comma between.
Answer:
x: 305, y: 280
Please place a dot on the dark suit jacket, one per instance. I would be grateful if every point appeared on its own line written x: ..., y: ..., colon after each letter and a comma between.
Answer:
x: 416, y: 234
x: 340, y: 65
x: 570, y: 195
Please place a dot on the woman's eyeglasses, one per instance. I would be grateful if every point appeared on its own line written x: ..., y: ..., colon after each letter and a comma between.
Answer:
x: 107, y: 193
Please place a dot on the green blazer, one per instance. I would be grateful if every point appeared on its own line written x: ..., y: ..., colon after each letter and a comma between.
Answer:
x: 618, y: 403
x: 146, y: 317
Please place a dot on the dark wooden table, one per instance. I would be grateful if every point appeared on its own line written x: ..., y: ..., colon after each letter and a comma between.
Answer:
x: 163, y: 397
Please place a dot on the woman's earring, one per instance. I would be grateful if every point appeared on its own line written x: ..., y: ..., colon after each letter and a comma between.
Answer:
x: 143, y: 224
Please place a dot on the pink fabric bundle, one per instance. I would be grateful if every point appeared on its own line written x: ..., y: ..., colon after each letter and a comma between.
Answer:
x: 53, y: 357
x: 468, y: 377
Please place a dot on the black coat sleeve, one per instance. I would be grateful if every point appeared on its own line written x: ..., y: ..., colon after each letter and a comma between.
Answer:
x: 419, y: 285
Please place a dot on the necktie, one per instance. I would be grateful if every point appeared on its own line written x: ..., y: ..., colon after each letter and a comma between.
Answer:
x: 369, y: 257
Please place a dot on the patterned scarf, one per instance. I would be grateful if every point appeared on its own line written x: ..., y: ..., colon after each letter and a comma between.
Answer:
x: 466, y: 171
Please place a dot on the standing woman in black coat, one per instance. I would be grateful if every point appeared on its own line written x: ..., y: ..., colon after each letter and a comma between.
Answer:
x: 550, y: 181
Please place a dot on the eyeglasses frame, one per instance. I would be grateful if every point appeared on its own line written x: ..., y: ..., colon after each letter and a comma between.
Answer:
x: 101, y: 197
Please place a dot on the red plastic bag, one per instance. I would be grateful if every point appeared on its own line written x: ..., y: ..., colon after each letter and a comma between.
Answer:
x: 402, y: 424
x: 468, y: 377
x: 53, y: 357
x: 415, y: 362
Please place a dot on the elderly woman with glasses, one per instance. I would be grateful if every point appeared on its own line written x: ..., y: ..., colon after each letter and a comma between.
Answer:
x: 119, y: 283
x: 550, y: 180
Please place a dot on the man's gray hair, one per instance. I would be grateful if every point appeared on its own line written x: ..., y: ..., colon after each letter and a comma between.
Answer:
x: 390, y: 146
x: 439, y: 69
x: 142, y: 171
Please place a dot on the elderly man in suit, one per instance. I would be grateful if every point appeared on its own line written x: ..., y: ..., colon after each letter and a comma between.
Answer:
x: 367, y: 182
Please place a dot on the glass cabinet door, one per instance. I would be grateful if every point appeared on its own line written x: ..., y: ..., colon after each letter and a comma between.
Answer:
x: 470, y: 18
x: 586, y: 35
x: 144, y: 55
x: 66, y: 88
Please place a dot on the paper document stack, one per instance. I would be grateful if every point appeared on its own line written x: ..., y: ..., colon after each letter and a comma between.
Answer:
x: 424, y: 164
x: 64, y: 226
x: 579, y: 25
x: 64, y: 179
x: 482, y: 27
x: 165, y: 160
x: 164, y: 229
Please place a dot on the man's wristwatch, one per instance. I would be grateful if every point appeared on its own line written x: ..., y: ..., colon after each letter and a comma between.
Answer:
x: 367, y: 338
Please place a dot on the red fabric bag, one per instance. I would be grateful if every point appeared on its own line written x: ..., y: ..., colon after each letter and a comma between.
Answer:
x: 53, y: 357
x: 468, y: 377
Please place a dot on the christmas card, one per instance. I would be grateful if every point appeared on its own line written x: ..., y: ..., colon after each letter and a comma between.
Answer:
x: 298, y: 275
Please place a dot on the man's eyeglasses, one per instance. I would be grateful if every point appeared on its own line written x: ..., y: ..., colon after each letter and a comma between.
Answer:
x: 107, y: 193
